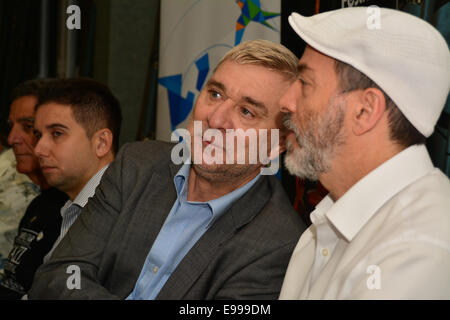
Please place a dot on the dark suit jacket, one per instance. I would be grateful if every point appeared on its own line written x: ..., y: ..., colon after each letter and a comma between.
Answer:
x: 244, y: 254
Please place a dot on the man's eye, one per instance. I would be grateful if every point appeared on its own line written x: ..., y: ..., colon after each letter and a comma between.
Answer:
x: 214, y: 94
x: 56, y: 134
x: 247, y: 113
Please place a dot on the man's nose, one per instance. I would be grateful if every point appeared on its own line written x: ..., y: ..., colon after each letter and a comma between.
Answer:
x: 288, y: 102
x: 221, y: 116
x: 14, y: 136
x: 41, y: 149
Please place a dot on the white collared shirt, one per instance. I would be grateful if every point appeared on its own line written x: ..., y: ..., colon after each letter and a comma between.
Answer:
x: 68, y: 218
x: 387, y: 237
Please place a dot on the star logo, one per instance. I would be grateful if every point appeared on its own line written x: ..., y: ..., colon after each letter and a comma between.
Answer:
x: 180, y: 106
x: 251, y: 11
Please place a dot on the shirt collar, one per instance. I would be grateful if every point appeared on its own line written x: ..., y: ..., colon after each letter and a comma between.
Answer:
x: 88, y: 190
x: 180, y: 178
x: 218, y: 206
x: 355, y: 208
x: 222, y: 204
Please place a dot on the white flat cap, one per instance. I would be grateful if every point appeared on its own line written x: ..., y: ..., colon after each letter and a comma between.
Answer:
x: 404, y: 55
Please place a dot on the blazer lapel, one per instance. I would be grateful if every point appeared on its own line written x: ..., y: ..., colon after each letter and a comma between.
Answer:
x: 162, y: 199
x: 207, y: 247
x: 149, y: 219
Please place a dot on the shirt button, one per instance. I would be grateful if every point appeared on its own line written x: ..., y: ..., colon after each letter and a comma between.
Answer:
x: 155, y: 269
x: 324, y: 252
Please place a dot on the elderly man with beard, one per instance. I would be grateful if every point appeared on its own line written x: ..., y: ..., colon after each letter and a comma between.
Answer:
x: 364, y: 101
x: 159, y: 230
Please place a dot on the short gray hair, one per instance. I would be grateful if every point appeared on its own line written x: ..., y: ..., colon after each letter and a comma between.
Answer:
x: 268, y: 54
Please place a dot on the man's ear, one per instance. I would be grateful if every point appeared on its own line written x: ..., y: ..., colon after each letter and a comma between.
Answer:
x: 102, y: 142
x: 370, y: 105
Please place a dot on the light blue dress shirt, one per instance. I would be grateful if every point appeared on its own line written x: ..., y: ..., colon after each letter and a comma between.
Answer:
x: 185, y: 224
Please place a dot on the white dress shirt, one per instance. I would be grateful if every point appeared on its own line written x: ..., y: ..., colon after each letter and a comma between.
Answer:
x: 387, y: 237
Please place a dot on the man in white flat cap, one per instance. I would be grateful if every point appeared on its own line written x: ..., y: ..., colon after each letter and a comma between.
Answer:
x: 368, y: 94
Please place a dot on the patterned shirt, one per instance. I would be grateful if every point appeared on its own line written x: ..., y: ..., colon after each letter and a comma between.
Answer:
x: 71, y: 210
x: 16, y: 193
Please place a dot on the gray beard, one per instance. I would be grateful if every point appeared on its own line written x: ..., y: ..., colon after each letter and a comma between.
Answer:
x: 319, y: 141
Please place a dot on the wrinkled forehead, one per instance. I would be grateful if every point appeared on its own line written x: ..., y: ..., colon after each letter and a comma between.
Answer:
x: 23, y: 107
x: 315, y: 59
x: 317, y: 67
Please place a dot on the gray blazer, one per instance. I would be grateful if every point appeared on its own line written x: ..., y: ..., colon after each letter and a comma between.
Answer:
x: 244, y: 254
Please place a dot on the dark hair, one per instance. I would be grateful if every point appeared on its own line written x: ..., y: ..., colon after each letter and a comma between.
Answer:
x: 401, y: 130
x: 29, y: 88
x: 93, y: 105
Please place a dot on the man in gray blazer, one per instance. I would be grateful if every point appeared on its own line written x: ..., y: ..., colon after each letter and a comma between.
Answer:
x: 206, y: 230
